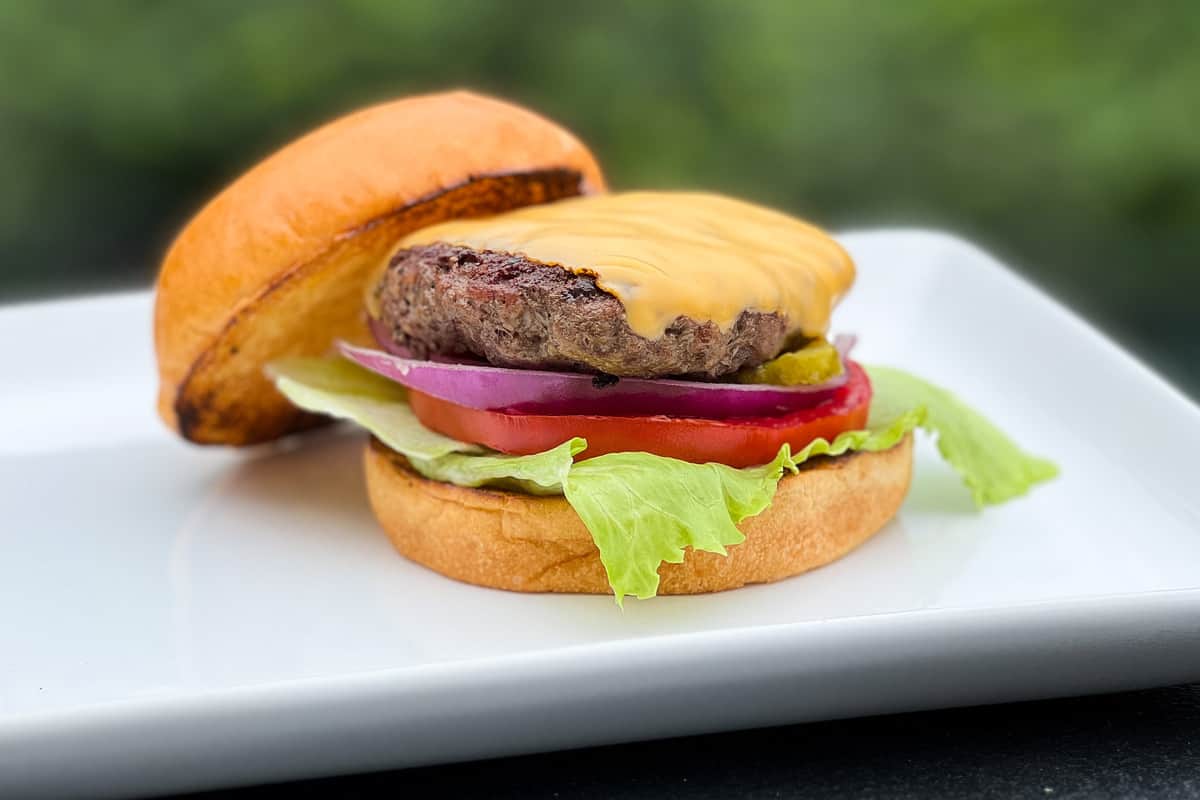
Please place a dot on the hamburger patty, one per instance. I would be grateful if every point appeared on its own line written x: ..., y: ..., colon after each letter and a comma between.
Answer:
x: 515, y: 312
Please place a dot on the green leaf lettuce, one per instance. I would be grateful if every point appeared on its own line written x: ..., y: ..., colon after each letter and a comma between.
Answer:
x: 642, y: 509
x: 344, y: 390
x: 992, y: 466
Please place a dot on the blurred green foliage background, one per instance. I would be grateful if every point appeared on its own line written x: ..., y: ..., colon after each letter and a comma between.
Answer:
x: 1064, y: 136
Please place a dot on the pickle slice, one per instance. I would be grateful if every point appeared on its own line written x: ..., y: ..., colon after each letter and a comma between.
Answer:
x: 816, y: 362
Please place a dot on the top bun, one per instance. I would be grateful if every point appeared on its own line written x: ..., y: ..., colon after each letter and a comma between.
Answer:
x: 276, y: 264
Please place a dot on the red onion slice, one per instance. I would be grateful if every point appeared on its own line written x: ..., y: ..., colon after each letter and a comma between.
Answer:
x: 383, y: 337
x: 544, y: 392
x: 844, y: 343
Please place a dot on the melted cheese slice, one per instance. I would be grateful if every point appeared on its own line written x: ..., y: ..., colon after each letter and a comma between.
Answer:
x: 671, y: 254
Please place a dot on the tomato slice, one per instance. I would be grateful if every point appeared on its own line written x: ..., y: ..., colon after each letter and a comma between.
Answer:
x: 737, y: 442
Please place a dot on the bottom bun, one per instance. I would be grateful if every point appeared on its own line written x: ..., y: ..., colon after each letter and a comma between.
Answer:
x: 509, y: 540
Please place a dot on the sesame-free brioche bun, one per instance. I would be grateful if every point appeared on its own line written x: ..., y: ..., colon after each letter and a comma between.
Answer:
x: 509, y: 540
x: 276, y: 264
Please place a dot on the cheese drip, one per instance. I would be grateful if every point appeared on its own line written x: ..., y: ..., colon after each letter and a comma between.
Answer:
x: 671, y: 254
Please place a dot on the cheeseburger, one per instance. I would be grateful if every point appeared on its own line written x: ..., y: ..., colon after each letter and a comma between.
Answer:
x: 567, y: 390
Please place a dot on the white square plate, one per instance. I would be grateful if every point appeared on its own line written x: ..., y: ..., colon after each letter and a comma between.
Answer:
x: 175, y: 617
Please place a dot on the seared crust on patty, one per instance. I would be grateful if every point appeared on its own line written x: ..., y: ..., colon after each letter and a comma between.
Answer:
x: 516, y: 312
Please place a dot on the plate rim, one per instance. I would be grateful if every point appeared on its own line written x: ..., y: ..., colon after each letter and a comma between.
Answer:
x: 117, y: 739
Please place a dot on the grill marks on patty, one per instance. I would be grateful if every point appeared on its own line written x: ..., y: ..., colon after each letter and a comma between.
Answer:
x: 515, y: 312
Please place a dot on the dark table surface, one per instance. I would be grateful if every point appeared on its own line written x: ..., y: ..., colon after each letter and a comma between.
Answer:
x: 1137, y: 744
